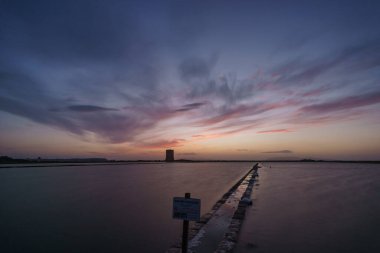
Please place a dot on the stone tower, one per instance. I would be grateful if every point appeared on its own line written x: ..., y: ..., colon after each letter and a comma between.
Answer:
x: 169, y: 155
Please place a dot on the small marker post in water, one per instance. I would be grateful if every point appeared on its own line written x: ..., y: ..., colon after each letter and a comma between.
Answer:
x: 186, y: 209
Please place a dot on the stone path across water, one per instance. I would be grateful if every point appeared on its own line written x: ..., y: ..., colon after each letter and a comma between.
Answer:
x: 218, y: 230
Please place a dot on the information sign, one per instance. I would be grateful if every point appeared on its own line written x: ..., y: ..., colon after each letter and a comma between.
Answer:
x: 186, y: 209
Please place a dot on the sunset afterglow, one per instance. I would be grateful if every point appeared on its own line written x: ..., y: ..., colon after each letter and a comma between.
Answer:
x: 212, y: 80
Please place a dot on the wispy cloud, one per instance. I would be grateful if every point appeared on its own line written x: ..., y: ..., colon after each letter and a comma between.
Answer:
x: 118, y: 92
x: 345, y: 103
x: 196, y: 73
x: 274, y: 131
x: 278, y: 152
x: 223, y: 132
x: 357, y: 57
x: 225, y: 114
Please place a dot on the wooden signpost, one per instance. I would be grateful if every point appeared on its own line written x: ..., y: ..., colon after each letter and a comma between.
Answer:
x: 186, y: 209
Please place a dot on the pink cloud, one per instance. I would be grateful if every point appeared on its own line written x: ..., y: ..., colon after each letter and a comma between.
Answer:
x: 160, y: 144
x: 232, y: 113
x: 274, y: 131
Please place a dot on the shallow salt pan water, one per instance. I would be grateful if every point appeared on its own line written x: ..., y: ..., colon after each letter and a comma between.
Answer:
x: 314, y: 207
x: 104, y: 208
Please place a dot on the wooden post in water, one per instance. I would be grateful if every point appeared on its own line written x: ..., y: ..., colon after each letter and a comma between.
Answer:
x: 185, y: 231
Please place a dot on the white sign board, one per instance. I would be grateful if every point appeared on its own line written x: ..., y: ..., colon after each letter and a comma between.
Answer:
x: 186, y: 209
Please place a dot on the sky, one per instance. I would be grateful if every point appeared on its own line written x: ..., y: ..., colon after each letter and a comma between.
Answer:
x: 210, y: 79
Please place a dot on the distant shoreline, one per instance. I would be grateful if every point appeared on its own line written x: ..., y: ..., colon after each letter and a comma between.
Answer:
x: 72, y: 162
x: 97, y: 160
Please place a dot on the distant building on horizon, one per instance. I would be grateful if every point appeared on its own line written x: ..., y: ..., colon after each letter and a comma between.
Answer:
x: 169, y: 155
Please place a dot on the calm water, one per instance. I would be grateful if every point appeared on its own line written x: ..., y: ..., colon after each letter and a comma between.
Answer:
x: 298, y: 207
x: 314, y: 207
x: 117, y: 208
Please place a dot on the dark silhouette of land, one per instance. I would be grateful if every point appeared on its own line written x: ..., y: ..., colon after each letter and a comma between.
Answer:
x: 39, y: 161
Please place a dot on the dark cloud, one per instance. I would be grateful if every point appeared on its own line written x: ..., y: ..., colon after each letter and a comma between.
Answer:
x: 197, y: 75
x: 54, y: 54
x: 242, y: 150
x: 23, y: 96
x: 196, y: 69
x: 110, y: 126
x: 89, y: 108
x: 189, y: 107
x: 279, y: 152
x: 38, y: 113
